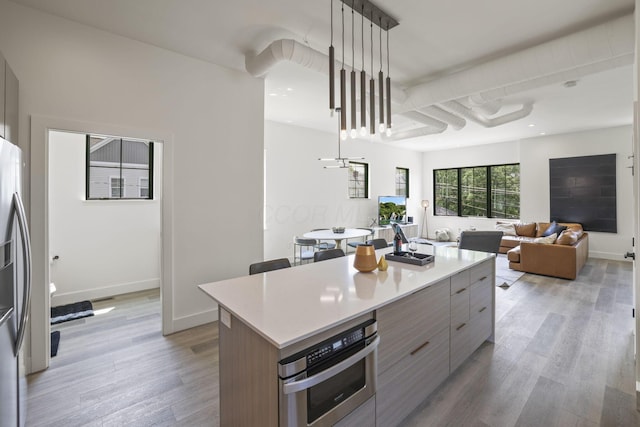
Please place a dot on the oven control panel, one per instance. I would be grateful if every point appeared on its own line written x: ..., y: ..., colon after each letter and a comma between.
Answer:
x: 330, y: 348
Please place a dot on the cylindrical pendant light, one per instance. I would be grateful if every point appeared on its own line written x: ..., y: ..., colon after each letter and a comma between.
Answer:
x: 363, y: 84
x: 343, y: 90
x: 353, y: 78
x: 381, y: 128
x: 388, y: 89
x: 372, y: 93
x: 332, y: 72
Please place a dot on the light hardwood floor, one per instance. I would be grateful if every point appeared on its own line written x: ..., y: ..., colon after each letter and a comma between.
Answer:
x: 563, y: 357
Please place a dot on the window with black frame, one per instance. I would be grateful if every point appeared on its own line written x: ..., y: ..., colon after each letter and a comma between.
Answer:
x: 446, y: 192
x: 118, y: 168
x: 402, y: 182
x: 480, y: 191
x: 358, y: 180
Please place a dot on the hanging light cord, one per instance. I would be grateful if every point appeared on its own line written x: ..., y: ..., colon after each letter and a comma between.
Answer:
x: 331, y: 44
x: 353, y: 48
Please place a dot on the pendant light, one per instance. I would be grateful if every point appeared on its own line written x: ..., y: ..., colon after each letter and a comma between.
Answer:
x: 353, y: 78
x: 388, y: 132
x: 381, y: 86
x: 332, y: 71
x: 372, y: 92
x: 363, y: 84
x: 375, y: 15
x: 343, y: 90
x: 342, y: 162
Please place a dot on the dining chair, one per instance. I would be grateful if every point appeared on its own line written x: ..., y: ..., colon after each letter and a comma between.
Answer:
x: 484, y: 241
x: 328, y: 254
x: 323, y: 245
x: 378, y: 243
x: 303, y: 249
x: 270, y: 265
x: 364, y: 238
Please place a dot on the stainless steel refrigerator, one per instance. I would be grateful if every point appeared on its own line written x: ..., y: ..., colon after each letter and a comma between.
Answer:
x: 15, y: 287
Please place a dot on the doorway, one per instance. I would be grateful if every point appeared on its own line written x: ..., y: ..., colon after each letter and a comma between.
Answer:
x: 37, y: 172
x: 104, y: 219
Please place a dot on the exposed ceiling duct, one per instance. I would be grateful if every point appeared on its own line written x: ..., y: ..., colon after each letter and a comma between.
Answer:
x: 298, y: 53
x: 435, y: 124
x: 456, y: 122
x: 470, y: 114
x: 474, y: 94
x: 603, y: 46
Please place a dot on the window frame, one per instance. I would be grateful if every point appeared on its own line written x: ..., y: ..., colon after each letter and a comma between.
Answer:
x: 119, y: 168
x: 140, y: 187
x: 366, y: 181
x: 398, y: 186
x: 489, y: 191
x: 112, y: 187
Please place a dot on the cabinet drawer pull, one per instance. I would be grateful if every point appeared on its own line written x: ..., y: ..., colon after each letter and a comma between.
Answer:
x: 482, y: 309
x: 461, y: 326
x: 482, y: 278
x: 419, y: 348
x: 461, y: 291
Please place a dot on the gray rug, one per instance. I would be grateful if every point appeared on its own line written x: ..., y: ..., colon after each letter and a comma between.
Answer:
x: 505, y: 277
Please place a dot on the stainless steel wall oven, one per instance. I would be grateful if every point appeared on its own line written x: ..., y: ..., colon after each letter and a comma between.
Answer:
x: 325, y: 382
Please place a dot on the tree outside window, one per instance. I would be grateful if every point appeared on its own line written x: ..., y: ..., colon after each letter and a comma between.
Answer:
x: 484, y: 191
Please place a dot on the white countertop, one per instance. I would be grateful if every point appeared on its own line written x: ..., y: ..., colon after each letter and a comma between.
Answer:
x: 289, y: 305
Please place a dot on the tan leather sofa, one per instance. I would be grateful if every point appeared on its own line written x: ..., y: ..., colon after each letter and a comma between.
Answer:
x: 528, y: 232
x: 564, y: 258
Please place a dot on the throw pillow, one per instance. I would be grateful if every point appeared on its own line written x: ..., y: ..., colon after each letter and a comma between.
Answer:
x: 526, y: 229
x: 442, y: 236
x: 548, y: 240
x: 507, y: 228
x: 554, y: 228
x: 567, y: 237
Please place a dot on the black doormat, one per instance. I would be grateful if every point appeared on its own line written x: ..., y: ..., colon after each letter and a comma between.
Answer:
x: 55, y: 340
x: 77, y: 310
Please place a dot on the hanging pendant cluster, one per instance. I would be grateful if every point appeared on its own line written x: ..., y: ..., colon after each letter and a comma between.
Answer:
x: 374, y: 15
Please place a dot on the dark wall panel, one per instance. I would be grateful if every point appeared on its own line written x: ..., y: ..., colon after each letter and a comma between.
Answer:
x: 583, y: 189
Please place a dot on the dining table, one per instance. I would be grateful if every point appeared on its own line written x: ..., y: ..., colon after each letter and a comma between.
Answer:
x: 328, y: 234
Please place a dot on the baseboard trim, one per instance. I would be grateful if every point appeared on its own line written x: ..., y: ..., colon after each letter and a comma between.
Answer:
x: 608, y: 255
x: 108, y: 291
x: 191, y: 321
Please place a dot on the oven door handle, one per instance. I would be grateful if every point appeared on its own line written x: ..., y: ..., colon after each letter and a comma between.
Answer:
x: 296, y: 386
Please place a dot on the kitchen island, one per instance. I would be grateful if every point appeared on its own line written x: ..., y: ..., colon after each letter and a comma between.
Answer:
x: 429, y: 320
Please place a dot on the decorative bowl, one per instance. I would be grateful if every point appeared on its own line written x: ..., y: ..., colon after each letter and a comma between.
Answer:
x: 338, y: 230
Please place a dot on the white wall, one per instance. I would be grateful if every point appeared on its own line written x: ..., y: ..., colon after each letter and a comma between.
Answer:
x: 302, y: 195
x: 214, y: 116
x: 105, y: 248
x: 533, y: 156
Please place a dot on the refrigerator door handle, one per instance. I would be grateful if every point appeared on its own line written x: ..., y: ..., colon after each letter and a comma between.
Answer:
x: 26, y: 249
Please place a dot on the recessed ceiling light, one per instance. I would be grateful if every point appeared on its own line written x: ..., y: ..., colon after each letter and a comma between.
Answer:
x: 543, y: 133
x: 289, y: 89
x: 531, y: 125
x: 273, y: 94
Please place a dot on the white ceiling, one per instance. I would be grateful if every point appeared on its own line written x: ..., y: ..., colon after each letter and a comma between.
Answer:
x: 434, y: 38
